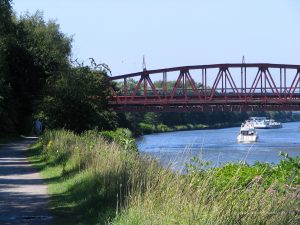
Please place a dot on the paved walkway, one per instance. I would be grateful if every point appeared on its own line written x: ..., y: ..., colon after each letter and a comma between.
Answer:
x: 23, y: 196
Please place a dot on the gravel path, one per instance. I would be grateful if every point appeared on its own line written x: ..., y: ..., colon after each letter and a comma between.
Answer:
x: 23, y: 196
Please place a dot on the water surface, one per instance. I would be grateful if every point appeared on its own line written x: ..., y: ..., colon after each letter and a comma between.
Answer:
x: 220, y: 145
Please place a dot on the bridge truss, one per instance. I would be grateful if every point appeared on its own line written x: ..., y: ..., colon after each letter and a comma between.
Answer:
x: 217, y: 87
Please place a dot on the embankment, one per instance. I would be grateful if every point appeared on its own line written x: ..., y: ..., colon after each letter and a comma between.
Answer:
x: 96, y: 180
x: 145, y: 128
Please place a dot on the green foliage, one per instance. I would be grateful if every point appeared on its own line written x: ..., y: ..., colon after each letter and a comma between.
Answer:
x: 7, y: 112
x: 121, y: 136
x: 151, y: 118
x: 130, y: 120
x: 241, y: 175
x: 37, y: 79
x: 181, y: 127
x: 232, y: 194
x: 5, y: 17
x: 162, y: 128
x: 92, y: 181
x: 200, y: 126
x: 147, y: 128
x: 88, y: 177
x: 288, y: 170
x: 131, y: 84
x: 31, y: 51
x: 48, y: 48
x: 69, y: 101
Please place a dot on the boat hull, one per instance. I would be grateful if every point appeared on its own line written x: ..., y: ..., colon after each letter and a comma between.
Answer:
x: 270, y: 126
x: 247, y: 138
x: 264, y: 123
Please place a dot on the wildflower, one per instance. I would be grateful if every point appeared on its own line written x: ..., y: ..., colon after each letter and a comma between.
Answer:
x: 257, y: 179
x: 271, y: 190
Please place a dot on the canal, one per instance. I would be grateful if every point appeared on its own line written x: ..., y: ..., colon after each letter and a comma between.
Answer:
x: 220, y: 146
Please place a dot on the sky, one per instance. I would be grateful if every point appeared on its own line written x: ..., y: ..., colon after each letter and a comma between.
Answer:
x: 171, y: 33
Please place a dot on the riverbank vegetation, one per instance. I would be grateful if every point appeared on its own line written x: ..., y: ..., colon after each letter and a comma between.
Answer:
x: 146, y: 128
x: 94, y: 179
x: 150, y: 122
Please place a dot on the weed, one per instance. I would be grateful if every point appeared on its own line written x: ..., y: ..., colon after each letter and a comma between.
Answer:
x: 101, y: 179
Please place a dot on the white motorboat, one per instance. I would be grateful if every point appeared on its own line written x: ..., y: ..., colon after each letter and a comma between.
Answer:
x: 264, y: 123
x: 273, y: 124
x: 247, y: 133
x: 259, y: 122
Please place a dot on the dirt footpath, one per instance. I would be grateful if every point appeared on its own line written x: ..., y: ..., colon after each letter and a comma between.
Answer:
x: 23, y: 196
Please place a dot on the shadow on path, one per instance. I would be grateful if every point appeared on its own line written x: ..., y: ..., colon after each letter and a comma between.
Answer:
x: 23, y: 195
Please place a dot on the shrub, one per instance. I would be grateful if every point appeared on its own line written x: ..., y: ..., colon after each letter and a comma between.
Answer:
x: 181, y: 127
x: 122, y: 136
x: 146, y: 128
x: 163, y: 128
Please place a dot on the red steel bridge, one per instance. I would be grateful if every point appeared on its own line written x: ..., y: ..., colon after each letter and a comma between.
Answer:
x: 217, y: 87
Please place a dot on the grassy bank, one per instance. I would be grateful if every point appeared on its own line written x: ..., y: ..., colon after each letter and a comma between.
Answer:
x: 145, y: 128
x: 103, y: 180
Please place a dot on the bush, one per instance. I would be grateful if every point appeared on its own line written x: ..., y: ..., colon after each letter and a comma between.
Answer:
x: 146, y: 128
x: 163, y: 128
x: 122, y: 136
x: 200, y: 126
x: 70, y: 96
x: 181, y: 127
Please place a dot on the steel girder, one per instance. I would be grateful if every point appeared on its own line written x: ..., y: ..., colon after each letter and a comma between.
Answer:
x: 234, y: 88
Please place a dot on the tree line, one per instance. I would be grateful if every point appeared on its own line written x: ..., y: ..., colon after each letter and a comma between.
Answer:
x: 39, y: 81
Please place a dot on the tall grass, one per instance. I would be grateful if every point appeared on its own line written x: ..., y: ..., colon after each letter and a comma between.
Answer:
x: 89, y: 177
x: 97, y: 181
x: 234, y: 194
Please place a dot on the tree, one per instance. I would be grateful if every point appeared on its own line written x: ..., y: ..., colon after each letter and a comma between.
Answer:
x: 39, y: 50
x: 70, y: 103
x: 37, y: 78
x: 5, y: 17
x: 7, y: 112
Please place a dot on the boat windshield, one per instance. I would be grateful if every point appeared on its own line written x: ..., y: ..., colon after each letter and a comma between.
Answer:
x: 246, y: 132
